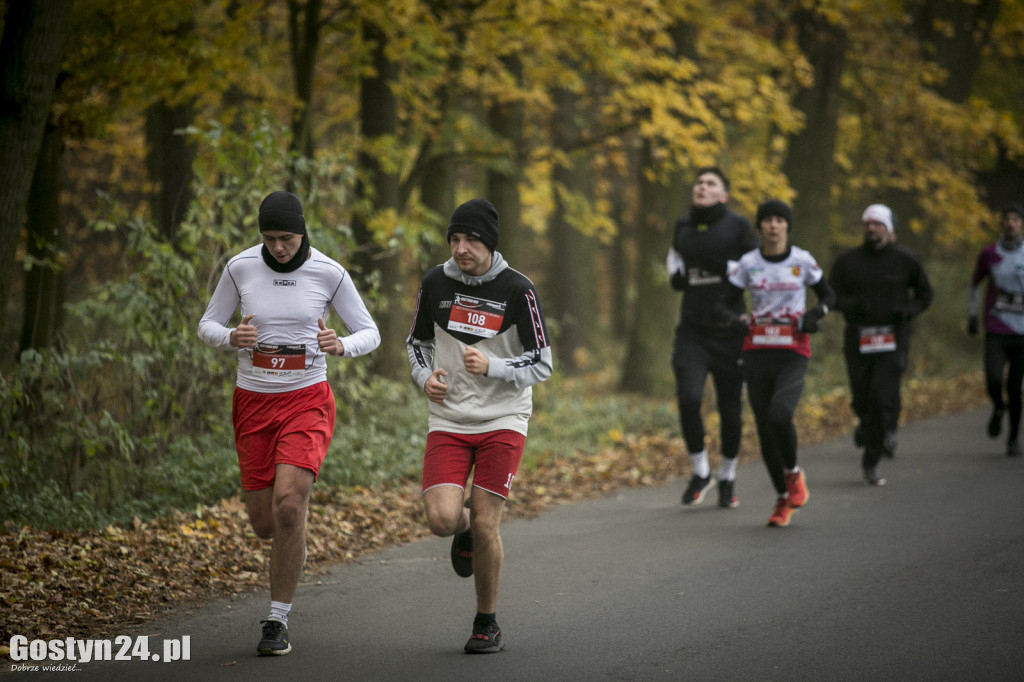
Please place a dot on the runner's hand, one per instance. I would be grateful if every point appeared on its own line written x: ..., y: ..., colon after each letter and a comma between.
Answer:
x: 328, y: 339
x: 475, y: 361
x: 244, y: 335
x: 811, y: 321
x: 436, y: 388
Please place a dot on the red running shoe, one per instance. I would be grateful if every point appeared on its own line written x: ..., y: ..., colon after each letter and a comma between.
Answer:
x: 782, y: 513
x: 796, y: 486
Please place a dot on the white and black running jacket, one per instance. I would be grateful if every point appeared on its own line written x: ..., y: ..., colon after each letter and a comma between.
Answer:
x: 499, y: 314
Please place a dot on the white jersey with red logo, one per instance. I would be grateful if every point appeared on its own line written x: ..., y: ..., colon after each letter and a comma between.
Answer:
x: 778, y: 297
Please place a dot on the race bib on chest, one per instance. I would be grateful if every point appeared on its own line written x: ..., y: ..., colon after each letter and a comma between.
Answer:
x: 1009, y: 303
x: 699, y: 278
x: 477, y: 316
x: 282, y: 362
x: 771, y: 335
x: 877, y: 339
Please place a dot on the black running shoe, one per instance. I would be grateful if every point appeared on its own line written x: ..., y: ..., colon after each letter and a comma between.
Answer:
x: 1013, y: 449
x: 726, y: 495
x: 995, y: 423
x: 486, y: 638
x: 275, y: 639
x: 462, y: 552
x: 873, y: 478
x: 694, y: 493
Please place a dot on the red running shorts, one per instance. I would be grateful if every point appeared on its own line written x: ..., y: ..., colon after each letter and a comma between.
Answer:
x: 294, y: 428
x: 493, y: 457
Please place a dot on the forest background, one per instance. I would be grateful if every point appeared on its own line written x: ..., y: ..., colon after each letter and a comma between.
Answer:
x: 138, y: 138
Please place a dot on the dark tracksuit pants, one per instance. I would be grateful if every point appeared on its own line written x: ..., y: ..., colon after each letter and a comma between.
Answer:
x: 1002, y: 350
x: 694, y: 356
x: 875, y: 385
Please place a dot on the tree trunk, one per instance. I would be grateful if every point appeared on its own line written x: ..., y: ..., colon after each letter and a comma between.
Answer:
x: 506, y: 121
x: 44, y: 280
x: 304, y: 39
x: 1002, y: 183
x: 655, y: 304
x: 169, y: 159
x: 30, y: 52
x: 649, y: 344
x: 809, y: 164
x: 376, y: 191
x: 570, y: 264
x: 438, y: 191
x: 955, y: 34
x: 438, y: 179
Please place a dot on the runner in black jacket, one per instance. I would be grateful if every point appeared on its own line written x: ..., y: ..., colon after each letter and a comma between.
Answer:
x: 703, y: 245
x: 880, y: 287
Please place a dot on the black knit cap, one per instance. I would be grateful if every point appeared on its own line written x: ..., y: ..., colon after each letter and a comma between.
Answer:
x: 282, y: 211
x: 1012, y: 208
x: 477, y: 218
x: 775, y: 207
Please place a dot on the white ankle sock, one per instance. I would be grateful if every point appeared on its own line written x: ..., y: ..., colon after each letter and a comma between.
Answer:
x: 699, y: 464
x: 279, y: 612
x: 727, y: 469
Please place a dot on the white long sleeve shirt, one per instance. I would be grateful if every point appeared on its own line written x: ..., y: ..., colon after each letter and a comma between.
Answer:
x: 285, y: 309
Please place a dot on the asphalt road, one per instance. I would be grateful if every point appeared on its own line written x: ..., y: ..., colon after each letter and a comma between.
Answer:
x: 920, y: 580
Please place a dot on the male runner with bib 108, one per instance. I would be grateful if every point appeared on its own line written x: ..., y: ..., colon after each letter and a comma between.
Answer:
x: 477, y: 346
x: 283, y: 408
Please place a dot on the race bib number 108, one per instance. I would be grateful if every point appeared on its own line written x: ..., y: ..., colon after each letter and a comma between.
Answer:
x: 476, y: 316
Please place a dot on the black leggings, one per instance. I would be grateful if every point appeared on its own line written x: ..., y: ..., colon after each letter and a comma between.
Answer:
x: 1000, y: 350
x: 775, y: 380
x: 694, y: 356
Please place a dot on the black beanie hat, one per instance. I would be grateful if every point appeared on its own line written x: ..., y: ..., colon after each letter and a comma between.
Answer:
x: 775, y: 207
x: 282, y: 211
x: 478, y: 218
x: 1012, y: 208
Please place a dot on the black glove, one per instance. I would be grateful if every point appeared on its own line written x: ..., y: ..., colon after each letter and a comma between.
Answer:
x: 728, y: 319
x: 972, y: 325
x: 811, y: 321
x: 900, y: 314
x: 737, y: 325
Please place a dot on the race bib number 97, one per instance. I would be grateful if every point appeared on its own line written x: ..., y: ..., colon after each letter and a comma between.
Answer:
x: 477, y: 316
x: 286, y: 362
